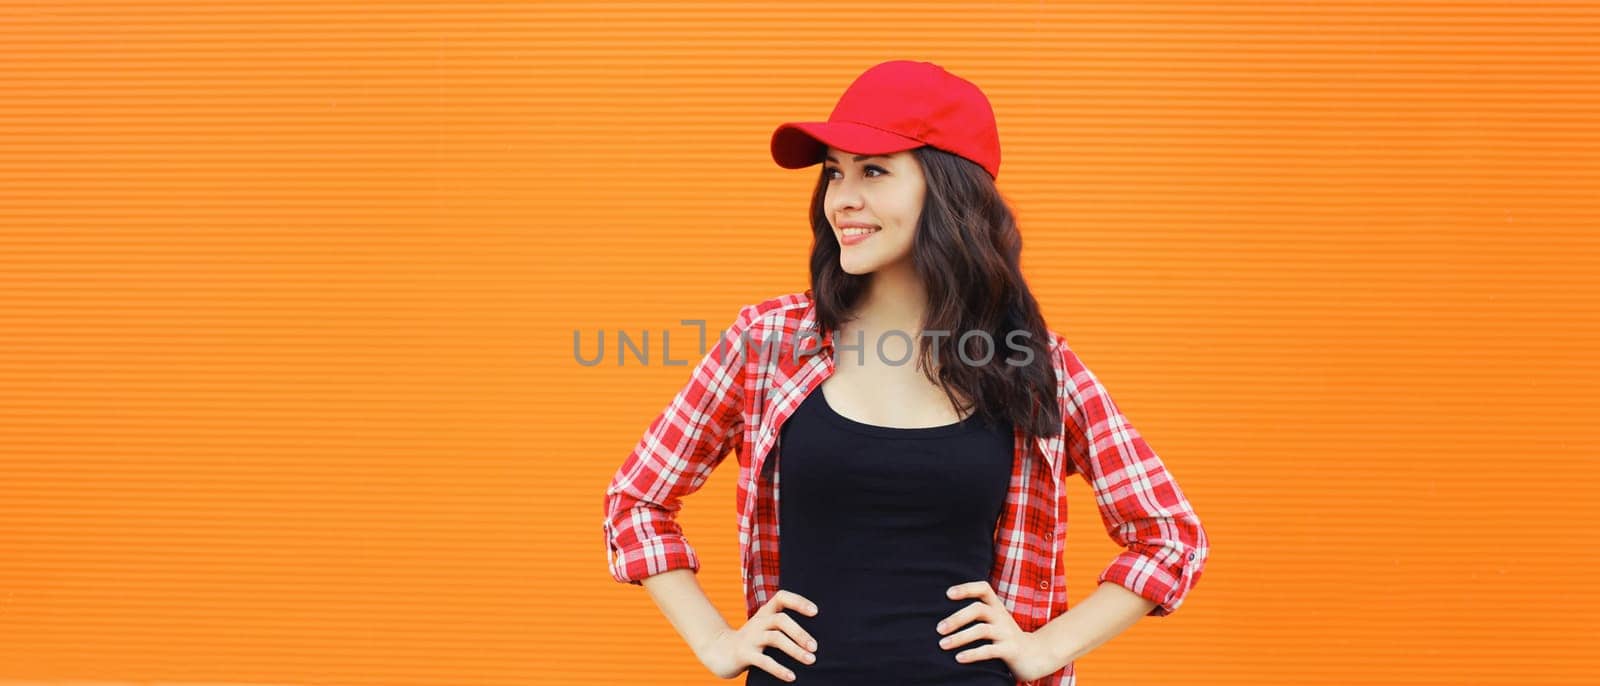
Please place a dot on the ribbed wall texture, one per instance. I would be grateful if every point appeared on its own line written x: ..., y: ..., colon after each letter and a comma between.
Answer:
x: 288, y: 294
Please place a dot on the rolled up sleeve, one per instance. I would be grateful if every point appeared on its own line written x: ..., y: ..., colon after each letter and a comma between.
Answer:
x: 1141, y: 505
x: 677, y: 453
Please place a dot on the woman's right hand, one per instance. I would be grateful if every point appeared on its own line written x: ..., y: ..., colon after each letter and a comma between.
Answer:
x: 730, y: 652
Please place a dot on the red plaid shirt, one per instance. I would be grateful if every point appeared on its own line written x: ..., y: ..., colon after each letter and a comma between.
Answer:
x: 773, y: 356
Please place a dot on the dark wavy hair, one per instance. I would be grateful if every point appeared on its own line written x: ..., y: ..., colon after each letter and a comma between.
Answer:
x: 967, y: 251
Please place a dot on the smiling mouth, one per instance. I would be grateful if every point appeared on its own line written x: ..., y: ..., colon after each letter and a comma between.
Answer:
x: 858, y: 232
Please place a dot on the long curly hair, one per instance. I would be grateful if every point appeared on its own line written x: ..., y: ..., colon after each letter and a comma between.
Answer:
x: 967, y: 251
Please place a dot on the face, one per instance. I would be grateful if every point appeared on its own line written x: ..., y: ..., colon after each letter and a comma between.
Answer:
x: 882, y: 193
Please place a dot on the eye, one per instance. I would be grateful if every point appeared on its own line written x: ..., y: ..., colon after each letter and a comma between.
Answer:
x: 828, y: 171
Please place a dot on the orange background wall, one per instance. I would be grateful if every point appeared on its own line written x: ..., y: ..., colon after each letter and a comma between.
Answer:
x: 288, y: 294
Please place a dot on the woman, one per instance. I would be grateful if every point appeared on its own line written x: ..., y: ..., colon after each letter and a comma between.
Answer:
x: 918, y: 418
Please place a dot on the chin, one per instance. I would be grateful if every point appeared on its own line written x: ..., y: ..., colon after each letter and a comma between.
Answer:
x: 858, y: 267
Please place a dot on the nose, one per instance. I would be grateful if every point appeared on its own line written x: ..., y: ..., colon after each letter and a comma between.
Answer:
x: 843, y: 195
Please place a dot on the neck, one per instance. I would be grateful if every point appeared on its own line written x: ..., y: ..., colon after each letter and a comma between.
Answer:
x: 895, y: 300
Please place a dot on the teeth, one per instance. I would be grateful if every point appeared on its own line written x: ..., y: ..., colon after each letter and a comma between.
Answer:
x: 858, y: 232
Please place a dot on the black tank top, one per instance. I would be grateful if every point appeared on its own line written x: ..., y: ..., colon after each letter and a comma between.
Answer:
x: 875, y: 523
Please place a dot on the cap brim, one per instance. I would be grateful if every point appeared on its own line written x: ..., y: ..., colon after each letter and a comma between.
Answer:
x: 802, y: 144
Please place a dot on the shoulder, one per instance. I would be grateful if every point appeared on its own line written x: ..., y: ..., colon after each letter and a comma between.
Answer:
x: 1054, y: 341
x: 1059, y: 351
x: 1071, y: 372
x: 780, y: 313
x: 781, y: 303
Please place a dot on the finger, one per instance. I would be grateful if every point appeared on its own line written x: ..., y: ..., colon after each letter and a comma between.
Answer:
x: 771, y: 666
x: 980, y: 590
x: 966, y: 636
x: 781, y: 641
x: 973, y: 589
x: 797, y: 602
x: 987, y: 594
x: 962, y: 617
x: 786, y: 600
x: 801, y: 636
x: 983, y: 652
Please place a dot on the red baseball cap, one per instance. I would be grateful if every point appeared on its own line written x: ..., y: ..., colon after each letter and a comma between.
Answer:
x: 894, y: 106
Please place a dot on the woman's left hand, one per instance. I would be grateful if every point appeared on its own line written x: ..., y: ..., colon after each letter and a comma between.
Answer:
x: 1020, y: 650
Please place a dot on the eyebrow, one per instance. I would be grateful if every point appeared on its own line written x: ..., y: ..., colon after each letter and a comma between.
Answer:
x: 858, y: 158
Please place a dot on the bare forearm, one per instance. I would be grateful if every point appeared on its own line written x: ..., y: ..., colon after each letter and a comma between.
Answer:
x: 686, y: 606
x: 1109, y: 611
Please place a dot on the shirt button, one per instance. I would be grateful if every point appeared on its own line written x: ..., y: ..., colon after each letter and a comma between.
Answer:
x: 1044, y: 584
